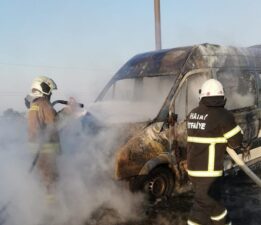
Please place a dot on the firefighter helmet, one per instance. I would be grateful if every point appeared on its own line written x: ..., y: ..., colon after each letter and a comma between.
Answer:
x: 211, y: 88
x: 43, y: 86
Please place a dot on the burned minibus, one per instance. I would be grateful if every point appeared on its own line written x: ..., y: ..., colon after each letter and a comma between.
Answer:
x: 150, y: 96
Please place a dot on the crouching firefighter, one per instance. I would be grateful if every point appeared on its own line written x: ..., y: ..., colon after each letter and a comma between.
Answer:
x: 211, y: 128
x: 42, y: 132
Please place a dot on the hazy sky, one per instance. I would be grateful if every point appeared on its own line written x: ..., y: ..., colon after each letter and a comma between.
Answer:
x: 82, y: 43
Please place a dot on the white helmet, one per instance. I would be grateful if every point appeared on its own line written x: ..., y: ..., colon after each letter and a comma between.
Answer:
x: 43, y: 86
x: 211, y: 88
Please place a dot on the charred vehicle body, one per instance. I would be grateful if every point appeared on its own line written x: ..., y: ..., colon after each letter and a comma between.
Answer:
x: 148, y: 100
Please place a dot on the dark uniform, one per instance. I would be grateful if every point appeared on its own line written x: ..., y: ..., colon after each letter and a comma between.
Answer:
x: 43, y: 138
x: 211, y: 128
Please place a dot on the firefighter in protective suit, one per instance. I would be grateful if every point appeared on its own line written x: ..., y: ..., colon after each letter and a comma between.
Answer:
x: 211, y: 128
x: 42, y: 132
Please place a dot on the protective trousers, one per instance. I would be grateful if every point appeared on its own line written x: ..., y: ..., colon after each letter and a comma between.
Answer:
x: 207, y: 208
x: 47, y: 166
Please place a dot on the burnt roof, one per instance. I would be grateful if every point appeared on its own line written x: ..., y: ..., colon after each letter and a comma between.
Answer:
x: 155, y: 63
x: 255, y: 46
x: 177, y: 61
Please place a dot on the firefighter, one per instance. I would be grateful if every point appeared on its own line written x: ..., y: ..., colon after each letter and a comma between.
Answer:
x: 43, y: 136
x: 211, y: 128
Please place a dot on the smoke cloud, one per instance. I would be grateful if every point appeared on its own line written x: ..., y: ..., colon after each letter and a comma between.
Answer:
x: 133, y: 100
x: 86, y: 192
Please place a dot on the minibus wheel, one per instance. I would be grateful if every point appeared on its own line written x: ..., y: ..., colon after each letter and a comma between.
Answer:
x: 159, y: 183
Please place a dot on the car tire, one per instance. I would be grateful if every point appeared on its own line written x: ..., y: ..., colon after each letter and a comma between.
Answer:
x: 159, y: 183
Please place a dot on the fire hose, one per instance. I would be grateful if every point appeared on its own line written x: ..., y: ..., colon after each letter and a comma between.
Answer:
x: 243, y: 166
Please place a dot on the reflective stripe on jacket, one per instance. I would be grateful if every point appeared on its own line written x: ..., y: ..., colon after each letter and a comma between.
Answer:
x: 210, y: 130
x: 41, y: 122
x: 42, y: 132
x: 46, y: 148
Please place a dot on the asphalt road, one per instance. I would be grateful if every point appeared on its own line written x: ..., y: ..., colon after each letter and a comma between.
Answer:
x: 242, y: 198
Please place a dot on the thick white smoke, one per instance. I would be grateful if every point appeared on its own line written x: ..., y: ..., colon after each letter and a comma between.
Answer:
x: 87, y: 179
x: 133, y: 100
x: 21, y: 196
x: 85, y: 183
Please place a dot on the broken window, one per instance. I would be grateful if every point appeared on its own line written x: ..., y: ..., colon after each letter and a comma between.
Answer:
x: 149, y: 89
x: 180, y: 102
x: 188, y: 95
x: 135, y: 99
x: 239, y: 87
x: 194, y: 84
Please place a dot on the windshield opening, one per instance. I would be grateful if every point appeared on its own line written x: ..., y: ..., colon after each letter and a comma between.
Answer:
x: 134, y: 99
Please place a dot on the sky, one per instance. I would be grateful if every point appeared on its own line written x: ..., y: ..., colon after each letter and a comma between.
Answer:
x: 82, y: 43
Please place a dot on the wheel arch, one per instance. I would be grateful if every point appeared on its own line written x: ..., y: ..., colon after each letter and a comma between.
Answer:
x: 160, y: 160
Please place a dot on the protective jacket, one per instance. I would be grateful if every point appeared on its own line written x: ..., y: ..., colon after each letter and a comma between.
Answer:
x: 44, y: 139
x: 210, y: 129
x: 41, y: 124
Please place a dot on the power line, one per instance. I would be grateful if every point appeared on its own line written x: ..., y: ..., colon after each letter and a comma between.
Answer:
x: 52, y: 67
x: 12, y: 94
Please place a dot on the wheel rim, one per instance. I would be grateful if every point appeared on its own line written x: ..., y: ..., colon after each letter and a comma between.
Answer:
x: 157, y: 186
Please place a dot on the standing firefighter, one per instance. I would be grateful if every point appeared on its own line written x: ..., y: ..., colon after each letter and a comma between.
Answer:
x: 211, y: 128
x: 43, y: 136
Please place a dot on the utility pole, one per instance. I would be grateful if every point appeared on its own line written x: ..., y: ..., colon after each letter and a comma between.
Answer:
x: 157, y: 24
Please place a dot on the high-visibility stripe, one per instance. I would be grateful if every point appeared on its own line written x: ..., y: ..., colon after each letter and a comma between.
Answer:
x: 232, y: 132
x: 34, y: 108
x: 50, y: 199
x: 51, y: 148
x: 47, y: 148
x: 192, y: 223
x: 219, y: 217
x: 203, y: 140
x: 212, y: 141
x: 211, y: 157
x: 195, y: 173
